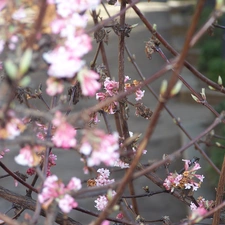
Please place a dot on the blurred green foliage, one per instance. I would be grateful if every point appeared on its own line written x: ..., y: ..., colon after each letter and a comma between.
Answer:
x: 212, y: 64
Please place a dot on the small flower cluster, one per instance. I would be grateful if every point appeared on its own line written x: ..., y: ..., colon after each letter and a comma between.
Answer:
x: 102, y: 180
x: 65, y: 60
x: 12, y: 127
x: 184, y: 180
x: 30, y: 155
x: 197, y: 213
x: 64, y: 136
x: 112, y: 88
x: 100, y: 147
x: 206, y: 204
x: 51, y: 162
x: 55, y: 190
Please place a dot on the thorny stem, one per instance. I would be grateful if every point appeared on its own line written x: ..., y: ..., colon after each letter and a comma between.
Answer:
x: 176, y: 121
x: 219, y: 194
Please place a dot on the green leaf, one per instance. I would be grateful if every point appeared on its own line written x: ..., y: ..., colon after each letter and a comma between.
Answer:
x: 11, y: 69
x: 25, y: 61
x: 25, y: 81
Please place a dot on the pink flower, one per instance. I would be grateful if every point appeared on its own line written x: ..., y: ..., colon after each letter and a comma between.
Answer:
x: 28, y: 156
x: 78, y: 45
x: 197, y: 214
x: 63, y: 64
x: 74, y: 184
x: 101, y: 202
x: 31, y: 171
x: 64, y: 136
x: 54, y: 189
x: 111, y: 86
x: 102, y: 178
x: 139, y: 94
x: 100, y: 147
x: 88, y: 81
x: 105, y: 222
x: 67, y: 203
x: 54, y: 86
x: 120, y: 216
x: 2, y: 4
x: 186, y: 180
x: 112, y: 107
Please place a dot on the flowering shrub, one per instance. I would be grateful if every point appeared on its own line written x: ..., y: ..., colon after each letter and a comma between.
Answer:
x: 46, y: 42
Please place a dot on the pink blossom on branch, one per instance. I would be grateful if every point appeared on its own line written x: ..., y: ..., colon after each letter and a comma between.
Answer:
x: 64, y: 136
x: 55, y: 190
x: 99, y: 147
x: 186, y: 180
x: 63, y: 64
x: 88, y: 80
x: 54, y: 86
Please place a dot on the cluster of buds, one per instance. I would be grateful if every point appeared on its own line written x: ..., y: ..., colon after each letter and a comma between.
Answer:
x: 186, y: 180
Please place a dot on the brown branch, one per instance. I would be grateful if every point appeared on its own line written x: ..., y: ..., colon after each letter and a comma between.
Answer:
x: 219, y: 194
x: 30, y: 204
x: 175, y: 53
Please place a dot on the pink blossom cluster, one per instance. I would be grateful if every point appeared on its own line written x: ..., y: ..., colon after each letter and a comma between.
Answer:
x: 65, y: 60
x: 99, y: 147
x: 206, y: 204
x: 186, y: 180
x: 112, y: 88
x: 55, y: 190
x: 29, y: 155
x: 102, y: 180
x: 12, y: 126
x: 64, y: 136
x: 51, y: 162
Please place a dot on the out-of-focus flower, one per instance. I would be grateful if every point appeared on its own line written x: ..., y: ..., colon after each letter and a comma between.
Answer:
x: 121, y: 164
x: 100, y: 147
x: 29, y: 156
x: 54, y: 86
x: 2, y: 4
x: 184, y: 180
x: 13, y: 127
x: 139, y: 94
x: 63, y: 64
x: 101, y: 202
x: 197, y: 214
x: 103, y: 178
x: 64, y: 135
x: 208, y: 205
x: 54, y: 189
x: 88, y: 80
x: 67, y: 203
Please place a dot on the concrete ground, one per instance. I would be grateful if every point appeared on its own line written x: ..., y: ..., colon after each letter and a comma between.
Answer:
x: 167, y: 137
